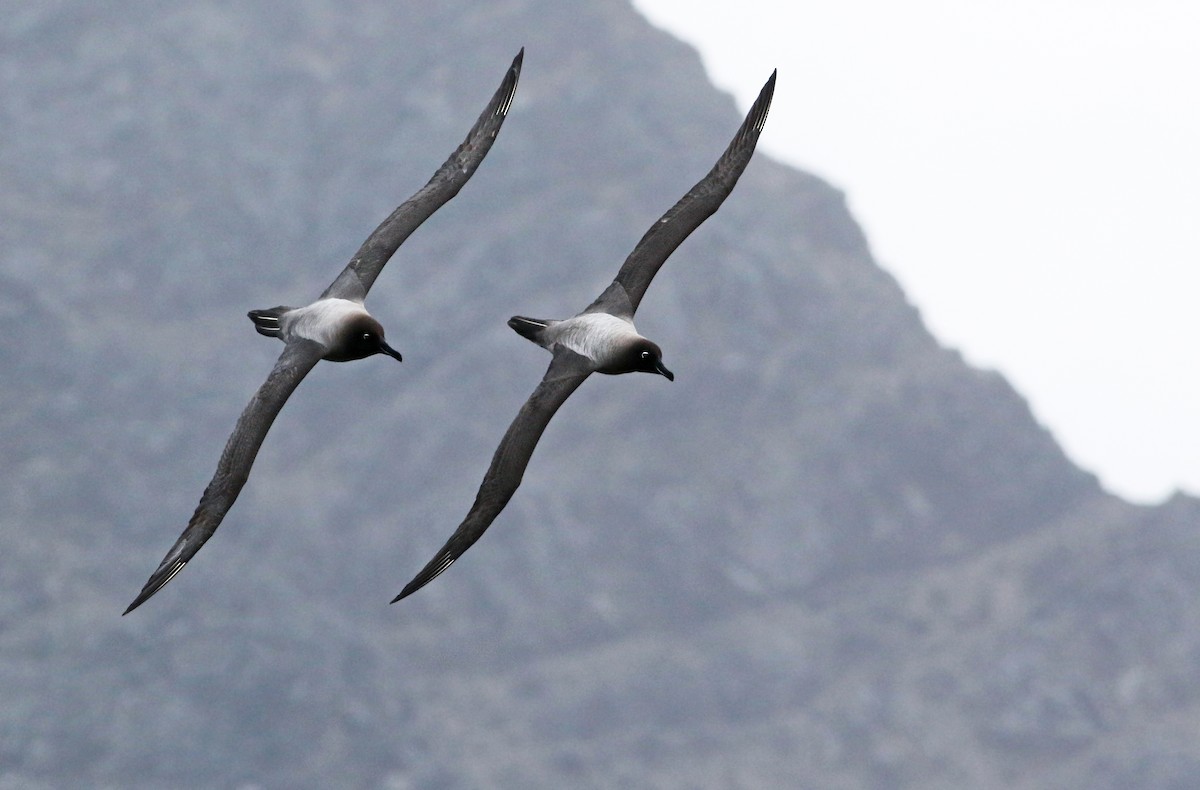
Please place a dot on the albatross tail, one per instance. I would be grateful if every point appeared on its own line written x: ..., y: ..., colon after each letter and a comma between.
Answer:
x: 529, y: 328
x: 267, y: 321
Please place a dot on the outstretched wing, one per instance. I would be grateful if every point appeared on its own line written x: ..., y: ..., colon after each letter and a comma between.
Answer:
x: 696, y: 206
x: 293, y: 365
x: 359, y: 275
x: 566, y: 372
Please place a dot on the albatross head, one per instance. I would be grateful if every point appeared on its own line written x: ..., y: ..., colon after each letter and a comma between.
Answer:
x: 644, y: 356
x: 362, y: 338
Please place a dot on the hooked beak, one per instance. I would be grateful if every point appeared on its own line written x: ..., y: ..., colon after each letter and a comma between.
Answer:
x: 384, y: 348
x: 661, y: 370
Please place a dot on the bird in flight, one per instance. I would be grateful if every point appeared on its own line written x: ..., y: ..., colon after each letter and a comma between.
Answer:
x: 335, y: 327
x: 601, y: 339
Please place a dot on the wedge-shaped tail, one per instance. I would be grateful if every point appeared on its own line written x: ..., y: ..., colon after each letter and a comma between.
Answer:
x: 528, y: 328
x: 267, y: 321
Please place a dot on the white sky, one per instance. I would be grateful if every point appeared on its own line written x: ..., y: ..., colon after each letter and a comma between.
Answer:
x: 1029, y: 170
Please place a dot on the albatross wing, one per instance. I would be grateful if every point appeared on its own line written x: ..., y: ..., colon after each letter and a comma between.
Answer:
x: 297, y: 359
x: 665, y: 235
x: 359, y: 275
x: 566, y: 372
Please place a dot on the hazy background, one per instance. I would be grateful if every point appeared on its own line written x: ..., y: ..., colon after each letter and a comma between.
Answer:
x: 832, y: 553
x: 1027, y: 170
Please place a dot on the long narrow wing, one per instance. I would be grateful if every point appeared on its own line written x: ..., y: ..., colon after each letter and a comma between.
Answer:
x: 359, y: 275
x: 566, y: 372
x: 293, y: 365
x: 696, y: 206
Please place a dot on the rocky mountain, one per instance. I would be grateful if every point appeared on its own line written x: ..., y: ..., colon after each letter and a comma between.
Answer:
x: 830, y: 554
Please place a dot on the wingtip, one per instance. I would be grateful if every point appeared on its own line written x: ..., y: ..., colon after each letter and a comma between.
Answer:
x: 768, y: 88
x: 514, y: 69
x: 417, y: 583
x: 757, y: 117
x: 143, y: 596
x: 407, y: 591
x: 162, y: 576
x: 433, y: 569
x: 508, y: 88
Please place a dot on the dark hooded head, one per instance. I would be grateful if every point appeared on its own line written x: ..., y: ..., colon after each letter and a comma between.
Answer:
x: 641, y: 356
x: 362, y: 337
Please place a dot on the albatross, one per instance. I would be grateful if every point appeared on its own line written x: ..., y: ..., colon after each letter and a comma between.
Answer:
x: 335, y: 327
x: 601, y: 339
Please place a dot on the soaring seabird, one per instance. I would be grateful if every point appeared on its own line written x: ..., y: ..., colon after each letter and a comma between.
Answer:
x: 335, y: 327
x: 601, y: 339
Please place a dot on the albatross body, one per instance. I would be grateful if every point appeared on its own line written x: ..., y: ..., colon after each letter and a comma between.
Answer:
x: 601, y: 339
x: 336, y: 327
x: 342, y: 327
x: 609, y: 342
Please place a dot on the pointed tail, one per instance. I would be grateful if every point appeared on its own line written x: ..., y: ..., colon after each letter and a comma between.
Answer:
x: 267, y: 321
x: 528, y: 328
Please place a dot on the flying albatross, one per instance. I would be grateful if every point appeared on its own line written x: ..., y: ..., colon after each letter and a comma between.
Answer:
x: 335, y: 327
x: 601, y: 339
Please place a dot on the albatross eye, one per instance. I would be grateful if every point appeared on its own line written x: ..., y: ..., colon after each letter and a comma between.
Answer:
x: 645, y: 355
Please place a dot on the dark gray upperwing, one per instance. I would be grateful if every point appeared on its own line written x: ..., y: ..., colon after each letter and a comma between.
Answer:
x: 696, y: 206
x: 359, y: 275
x: 566, y: 372
x: 297, y: 359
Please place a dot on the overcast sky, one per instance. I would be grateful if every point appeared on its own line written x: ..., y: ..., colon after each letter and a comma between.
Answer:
x: 1029, y: 171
